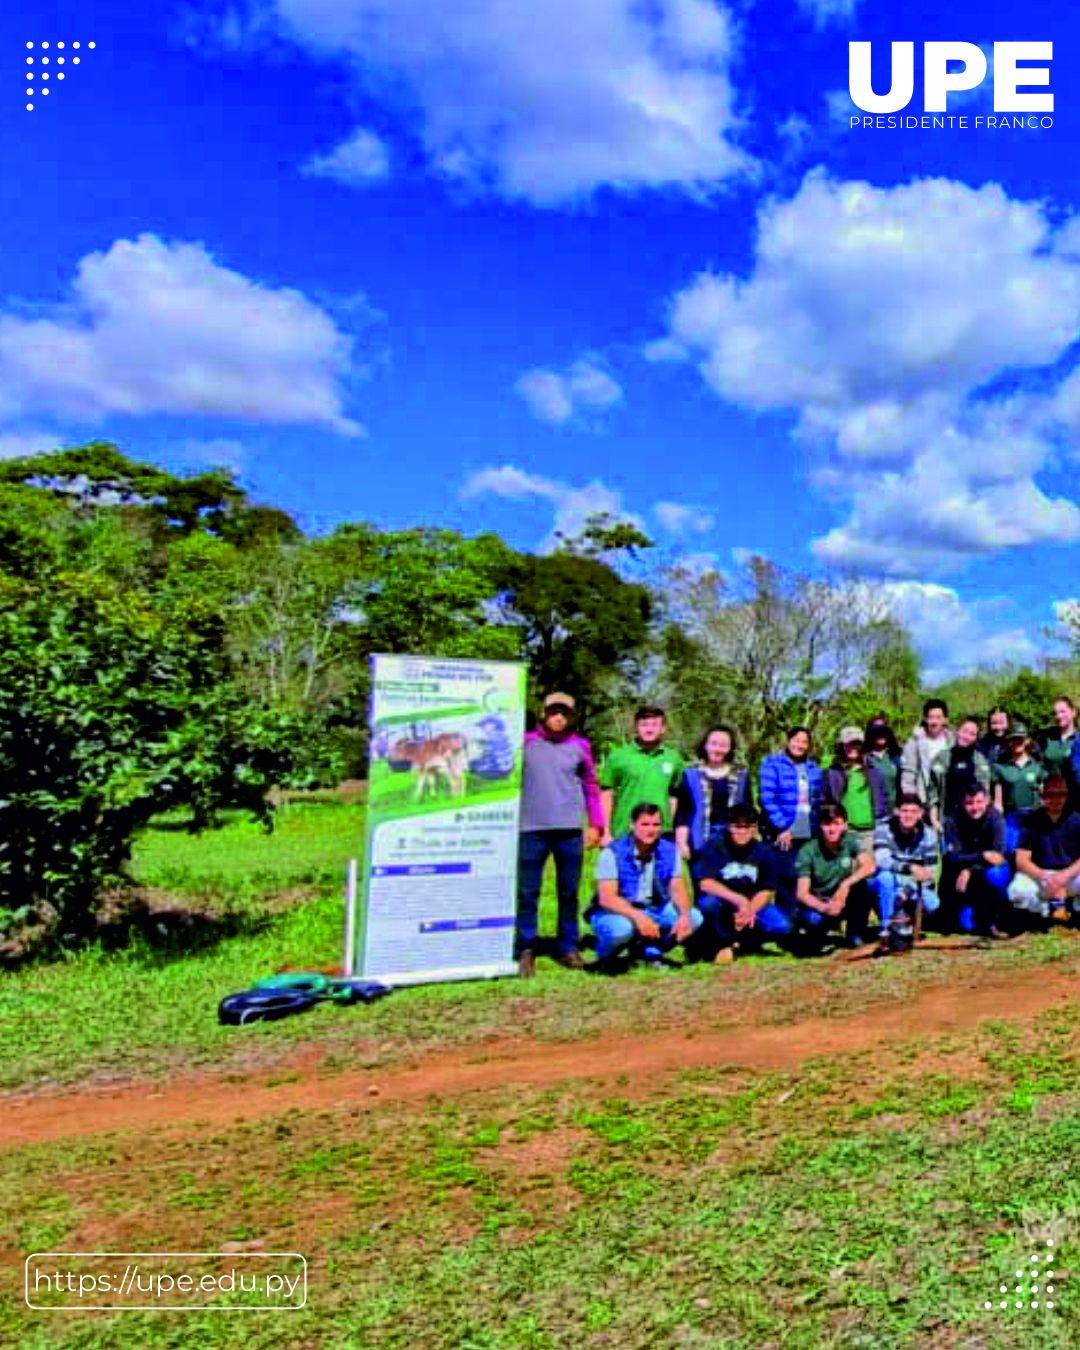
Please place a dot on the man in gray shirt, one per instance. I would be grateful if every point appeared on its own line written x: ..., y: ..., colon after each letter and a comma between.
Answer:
x: 558, y: 790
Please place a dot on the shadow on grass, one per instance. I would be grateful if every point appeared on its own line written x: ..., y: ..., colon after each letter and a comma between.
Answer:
x: 150, y: 933
x: 155, y: 935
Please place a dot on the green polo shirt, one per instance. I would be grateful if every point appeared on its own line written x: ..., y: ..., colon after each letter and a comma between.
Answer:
x: 1057, y: 753
x: 1021, y: 785
x: 638, y: 775
x: 827, y: 870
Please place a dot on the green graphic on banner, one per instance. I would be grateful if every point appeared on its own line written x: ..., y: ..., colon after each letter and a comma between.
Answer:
x: 444, y: 787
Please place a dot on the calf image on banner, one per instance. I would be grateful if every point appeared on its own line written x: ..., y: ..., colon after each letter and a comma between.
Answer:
x: 444, y: 789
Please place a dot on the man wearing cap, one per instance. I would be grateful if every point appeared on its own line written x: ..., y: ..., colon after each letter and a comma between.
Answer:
x: 858, y: 787
x: 645, y: 771
x: 558, y: 788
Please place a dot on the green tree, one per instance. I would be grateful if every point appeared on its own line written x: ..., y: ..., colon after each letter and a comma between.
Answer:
x: 111, y: 710
x: 769, y: 648
x: 581, y: 622
x: 1030, y: 698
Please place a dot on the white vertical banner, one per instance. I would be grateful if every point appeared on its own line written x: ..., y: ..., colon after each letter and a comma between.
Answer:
x: 444, y: 790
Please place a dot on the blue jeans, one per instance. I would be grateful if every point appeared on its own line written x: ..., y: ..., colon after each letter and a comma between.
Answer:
x: 886, y: 885
x: 984, y: 903
x: 774, y: 921
x: 568, y: 849
x: 615, y: 932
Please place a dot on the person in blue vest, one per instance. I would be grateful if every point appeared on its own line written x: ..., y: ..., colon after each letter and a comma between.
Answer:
x: 641, y: 905
x: 710, y: 791
x: 791, y: 796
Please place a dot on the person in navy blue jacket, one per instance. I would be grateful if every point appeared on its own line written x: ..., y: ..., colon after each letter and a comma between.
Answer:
x: 791, y: 794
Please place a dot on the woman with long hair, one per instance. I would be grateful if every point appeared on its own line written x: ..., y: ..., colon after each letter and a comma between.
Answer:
x: 709, y: 792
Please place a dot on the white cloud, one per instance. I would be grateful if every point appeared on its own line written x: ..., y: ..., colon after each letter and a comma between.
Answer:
x: 156, y: 327
x: 954, y: 636
x: 829, y: 11
x: 876, y: 314
x: 679, y: 519
x: 20, y: 442
x: 840, y: 108
x: 556, y: 398
x: 363, y: 158
x: 547, y: 101
x: 572, y: 506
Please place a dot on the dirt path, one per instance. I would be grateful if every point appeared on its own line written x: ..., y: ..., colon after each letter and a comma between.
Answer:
x: 644, y: 1061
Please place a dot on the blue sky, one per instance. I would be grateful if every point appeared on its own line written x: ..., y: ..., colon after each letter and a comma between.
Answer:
x: 498, y: 264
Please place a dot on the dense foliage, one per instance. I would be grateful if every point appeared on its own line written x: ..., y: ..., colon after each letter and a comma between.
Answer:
x: 165, y: 641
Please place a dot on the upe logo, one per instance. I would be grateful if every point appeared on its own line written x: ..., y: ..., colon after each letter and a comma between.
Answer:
x: 938, y: 81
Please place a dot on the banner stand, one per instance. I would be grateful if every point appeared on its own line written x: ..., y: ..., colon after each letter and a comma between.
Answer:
x: 349, y: 958
x: 440, y: 856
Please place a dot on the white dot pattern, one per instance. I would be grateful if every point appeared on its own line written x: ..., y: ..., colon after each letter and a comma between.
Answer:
x: 1019, y: 1289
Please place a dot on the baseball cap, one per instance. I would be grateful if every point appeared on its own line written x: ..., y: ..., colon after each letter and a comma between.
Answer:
x: 1017, y: 731
x: 850, y: 734
x: 559, y: 701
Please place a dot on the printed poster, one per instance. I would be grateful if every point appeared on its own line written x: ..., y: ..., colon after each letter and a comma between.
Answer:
x: 444, y: 789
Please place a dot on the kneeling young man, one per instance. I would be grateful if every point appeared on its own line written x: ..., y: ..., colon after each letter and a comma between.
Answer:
x: 831, y: 870
x: 974, y: 872
x: 641, y: 898
x: 905, y: 852
x: 738, y: 891
x: 1047, y: 881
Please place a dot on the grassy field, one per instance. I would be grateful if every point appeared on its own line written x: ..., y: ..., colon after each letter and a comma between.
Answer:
x: 853, y: 1201
x: 256, y: 902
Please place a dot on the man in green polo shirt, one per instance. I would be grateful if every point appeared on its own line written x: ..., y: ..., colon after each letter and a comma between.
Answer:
x: 644, y: 771
x: 832, y: 870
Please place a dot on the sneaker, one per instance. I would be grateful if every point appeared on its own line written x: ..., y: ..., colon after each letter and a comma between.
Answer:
x: 571, y: 961
x: 656, y: 963
x: 1059, y: 914
x: 527, y: 965
x: 724, y: 957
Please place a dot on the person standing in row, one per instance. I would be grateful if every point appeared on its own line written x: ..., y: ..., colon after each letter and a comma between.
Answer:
x: 953, y: 769
x: 929, y: 739
x: 858, y: 787
x: 1018, y: 780
x: 883, y: 754
x: 644, y: 770
x: 1061, y: 746
x: 995, y: 744
x: 791, y: 792
x: 558, y: 789
x: 709, y: 792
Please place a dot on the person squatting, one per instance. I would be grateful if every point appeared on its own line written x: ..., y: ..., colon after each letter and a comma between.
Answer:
x: 960, y: 830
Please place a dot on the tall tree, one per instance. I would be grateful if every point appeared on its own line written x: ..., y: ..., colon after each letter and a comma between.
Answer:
x: 779, y: 646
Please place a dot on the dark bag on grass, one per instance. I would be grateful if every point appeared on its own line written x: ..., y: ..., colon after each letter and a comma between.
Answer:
x: 263, y: 1005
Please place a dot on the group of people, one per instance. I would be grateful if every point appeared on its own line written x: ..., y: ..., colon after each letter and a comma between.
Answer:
x: 962, y: 829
